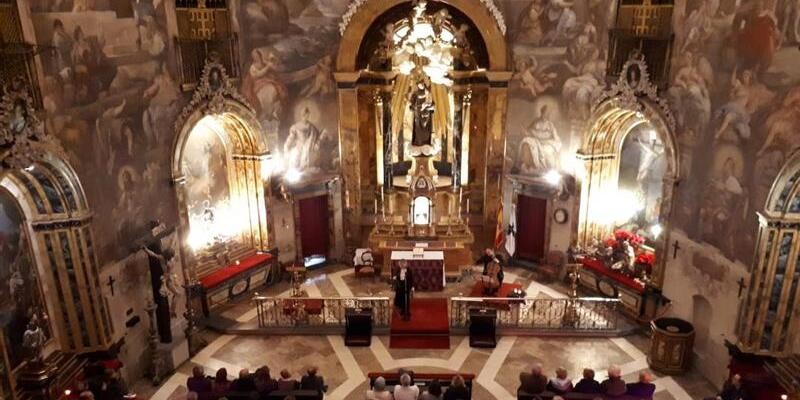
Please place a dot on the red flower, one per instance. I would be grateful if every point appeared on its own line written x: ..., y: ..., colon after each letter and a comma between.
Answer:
x: 646, y: 259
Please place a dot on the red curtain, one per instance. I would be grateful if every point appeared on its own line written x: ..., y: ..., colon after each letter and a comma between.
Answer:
x: 313, y: 216
x: 531, y: 219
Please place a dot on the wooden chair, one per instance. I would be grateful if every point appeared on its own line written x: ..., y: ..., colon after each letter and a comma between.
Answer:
x: 367, y: 268
x: 553, y: 267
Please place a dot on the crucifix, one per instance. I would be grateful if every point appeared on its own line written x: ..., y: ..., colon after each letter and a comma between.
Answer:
x: 675, y: 247
x: 110, y: 283
x: 741, y: 284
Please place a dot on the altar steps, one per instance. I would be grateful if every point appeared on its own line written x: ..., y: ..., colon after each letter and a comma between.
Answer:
x: 428, y: 328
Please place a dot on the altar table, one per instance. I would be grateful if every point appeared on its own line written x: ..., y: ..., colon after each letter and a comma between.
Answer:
x: 428, y: 270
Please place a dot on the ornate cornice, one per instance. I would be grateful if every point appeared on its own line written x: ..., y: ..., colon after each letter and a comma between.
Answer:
x: 354, y: 5
x: 627, y: 90
x: 209, y: 97
x: 23, y: 139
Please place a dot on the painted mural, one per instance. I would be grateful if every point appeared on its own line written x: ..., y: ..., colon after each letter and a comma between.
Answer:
x: 21, y: 295
x: 559, y: 52
x: 736, y: 96
x: 111, y: 98
x: 290, y: 47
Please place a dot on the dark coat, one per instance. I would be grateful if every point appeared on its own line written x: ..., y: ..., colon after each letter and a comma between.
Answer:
x: 641, y: 390
x: 533, y: 384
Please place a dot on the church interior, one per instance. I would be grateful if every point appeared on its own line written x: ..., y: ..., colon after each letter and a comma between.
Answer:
x: 400, y: 199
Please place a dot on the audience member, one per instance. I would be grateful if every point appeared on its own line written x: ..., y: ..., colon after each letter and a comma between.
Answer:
x: 199, y: 383
x: 286, y: 382
x: 264, y: 382
x: 434, y: 391
x: 192, y: 395
x: 733, y: 390
x: 588, y: 384
x: 561, y: 383
x: 379, y: 391
x: 614, y: 385
x: 534, y: 382
x: 406, y: 390
x: 220, y: 385
x: 242, y: 387
x: 312, y: 381
x: 458, y: 390
x: 642, y: 389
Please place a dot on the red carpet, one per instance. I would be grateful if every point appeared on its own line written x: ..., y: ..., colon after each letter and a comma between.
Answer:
x: 504, y: 291
x: 429, y: 327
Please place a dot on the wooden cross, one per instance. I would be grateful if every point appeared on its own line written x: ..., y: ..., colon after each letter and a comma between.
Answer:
x: 741, y: 284
x: 110, y: 283
x: 675, y: 247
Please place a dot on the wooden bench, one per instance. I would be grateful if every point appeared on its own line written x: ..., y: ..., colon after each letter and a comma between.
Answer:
x: 420, y: 379
x: 235, y: 279
x: 547, y: 395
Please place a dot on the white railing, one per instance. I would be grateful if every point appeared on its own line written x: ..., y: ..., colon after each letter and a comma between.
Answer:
x: 291, y: 312
x: 578, y: 315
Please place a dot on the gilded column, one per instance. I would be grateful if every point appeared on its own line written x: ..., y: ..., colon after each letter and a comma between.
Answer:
x: 496, y: 168
x: 349, y: 156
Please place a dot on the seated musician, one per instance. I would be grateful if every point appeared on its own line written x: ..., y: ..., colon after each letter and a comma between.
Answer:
x: 493, y: 278
x: 487, y: 257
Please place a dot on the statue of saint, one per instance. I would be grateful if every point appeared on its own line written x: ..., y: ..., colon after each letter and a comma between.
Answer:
x: 33, y: 341
x: 422, y: 106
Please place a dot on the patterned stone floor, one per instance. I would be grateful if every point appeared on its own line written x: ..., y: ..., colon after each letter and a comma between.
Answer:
x: 345, y: 368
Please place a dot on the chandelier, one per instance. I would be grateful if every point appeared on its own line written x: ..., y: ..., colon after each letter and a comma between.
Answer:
x: 425, y: 44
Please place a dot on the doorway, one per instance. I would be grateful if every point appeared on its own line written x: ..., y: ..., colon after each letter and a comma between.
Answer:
x: 313, y: 223
x: 531, y: 221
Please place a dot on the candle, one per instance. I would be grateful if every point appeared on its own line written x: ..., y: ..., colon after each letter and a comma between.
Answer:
x: 375, y: 207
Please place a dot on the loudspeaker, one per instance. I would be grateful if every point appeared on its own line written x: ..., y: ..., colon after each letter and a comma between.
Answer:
x: 358, y: 327
x: 482, y: 330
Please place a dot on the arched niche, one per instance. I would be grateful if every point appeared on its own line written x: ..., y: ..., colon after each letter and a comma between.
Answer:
x: 605, y: 199
x: 366, y: 111
x: 56, y: 223
x: 769, y: 321
x: 218, y: 158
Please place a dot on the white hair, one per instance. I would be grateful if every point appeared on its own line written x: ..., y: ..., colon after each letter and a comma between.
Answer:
x: 614, y: 371
x: 405, y: 380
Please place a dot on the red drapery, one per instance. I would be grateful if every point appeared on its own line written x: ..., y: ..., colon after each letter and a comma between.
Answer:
x: 313, y: 216
x: 531, y: 218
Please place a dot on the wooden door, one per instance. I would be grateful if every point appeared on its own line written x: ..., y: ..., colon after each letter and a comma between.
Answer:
x: 313, y: 224
x: 531, y: 225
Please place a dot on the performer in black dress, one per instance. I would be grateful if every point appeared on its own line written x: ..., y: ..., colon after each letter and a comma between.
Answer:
x: 403, y: 287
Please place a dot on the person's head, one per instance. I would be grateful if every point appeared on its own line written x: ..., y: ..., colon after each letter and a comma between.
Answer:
x: 645, y: 377
x: 244, y: 373
x: 736, y: 380
x: 312, y: 371
x: 405, y: 380
x: 197, y: 372
x: 222, y: 375
x: 191, y: 396
x: 457, y: 382
x: 588, y: 373
x: 285, y: 374
x: 261, y: 374
x: 614, y: 372
x: 435, y: 388
x: 536, y: 369
x: 379, y: 385
x: 489, y: 252
x: 561, y: 373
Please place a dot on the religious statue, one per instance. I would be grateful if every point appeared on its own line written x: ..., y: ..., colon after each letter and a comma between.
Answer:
x: 422, y: 106
x: 33, y: 341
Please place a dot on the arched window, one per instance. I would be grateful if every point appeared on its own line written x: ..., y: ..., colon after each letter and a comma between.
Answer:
x: 769, y: 318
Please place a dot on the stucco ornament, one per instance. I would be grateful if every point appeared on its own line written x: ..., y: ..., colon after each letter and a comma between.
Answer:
x: 23, y: 139
x: 209, y: 97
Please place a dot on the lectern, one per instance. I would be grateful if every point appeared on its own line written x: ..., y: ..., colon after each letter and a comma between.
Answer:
x: 358, y: 327
x: 482, y: 331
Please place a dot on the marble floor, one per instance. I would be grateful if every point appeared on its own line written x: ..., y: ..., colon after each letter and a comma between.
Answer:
x: 345, y: 368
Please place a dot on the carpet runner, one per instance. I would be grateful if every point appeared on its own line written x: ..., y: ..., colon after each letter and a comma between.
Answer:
x: 429, y: 327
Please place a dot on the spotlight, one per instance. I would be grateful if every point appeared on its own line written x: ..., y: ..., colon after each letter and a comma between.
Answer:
x: 293, y: 175
x: 552, y: 177
x: 656, y: 230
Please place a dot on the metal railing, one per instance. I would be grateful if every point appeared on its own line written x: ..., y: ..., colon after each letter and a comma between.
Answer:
x: 294, y: 312
x: 568, y: 316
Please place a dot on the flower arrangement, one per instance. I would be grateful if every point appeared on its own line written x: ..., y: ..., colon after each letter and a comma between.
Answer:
x: 623, y: 252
